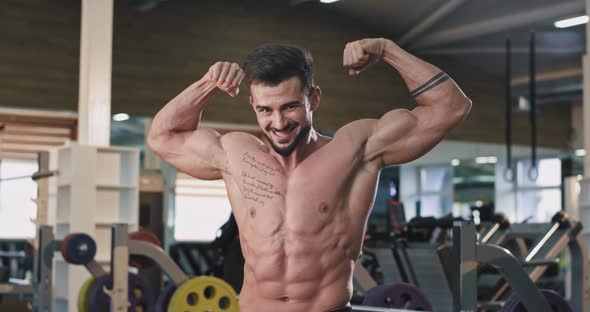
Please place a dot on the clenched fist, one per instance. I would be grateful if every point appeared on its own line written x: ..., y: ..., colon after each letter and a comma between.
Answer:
x: 227, y: 77
x: 360, y: 54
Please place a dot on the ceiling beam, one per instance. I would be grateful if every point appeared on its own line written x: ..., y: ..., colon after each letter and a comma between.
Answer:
x: 440, y: 13
x: 498, y: 24
x: 549, y: 75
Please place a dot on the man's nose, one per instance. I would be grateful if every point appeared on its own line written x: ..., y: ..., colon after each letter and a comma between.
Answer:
x: 279, y: 122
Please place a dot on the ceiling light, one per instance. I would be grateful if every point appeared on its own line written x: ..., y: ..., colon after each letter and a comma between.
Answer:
x: 328, y: 1
x: 579, y: 20
x: 120, y: 117
x: 455, y: 162
x: 580, y: 152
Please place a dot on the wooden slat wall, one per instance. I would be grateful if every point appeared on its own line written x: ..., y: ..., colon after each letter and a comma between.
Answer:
x: 24, y: 134
x: 158, y: 53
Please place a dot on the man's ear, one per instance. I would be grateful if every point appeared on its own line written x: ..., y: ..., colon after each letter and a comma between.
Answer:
x: 314, y: 99
x: 251, y: 100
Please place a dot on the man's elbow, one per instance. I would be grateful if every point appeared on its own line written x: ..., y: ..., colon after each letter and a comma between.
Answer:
x: 155, y: 143
x: 467, y: 105
x: 462, y: 107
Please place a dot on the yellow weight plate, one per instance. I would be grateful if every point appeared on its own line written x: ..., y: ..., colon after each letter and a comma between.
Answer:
x: 84, y: 294
x: 204, y: 294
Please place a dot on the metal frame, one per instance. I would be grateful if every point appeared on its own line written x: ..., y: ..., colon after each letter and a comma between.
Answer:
x: 42, y: 268
x: 467, y: 254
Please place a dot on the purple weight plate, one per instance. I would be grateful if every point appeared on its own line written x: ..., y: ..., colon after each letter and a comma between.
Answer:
x: 140, y: 294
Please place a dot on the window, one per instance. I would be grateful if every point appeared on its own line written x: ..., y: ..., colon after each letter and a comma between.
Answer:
x: 17, y: 209
x: 201, y: 208
x: 537, y: 200
x: 435, y: 191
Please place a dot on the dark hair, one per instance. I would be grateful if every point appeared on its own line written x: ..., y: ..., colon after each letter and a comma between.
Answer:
x: 274, y: 63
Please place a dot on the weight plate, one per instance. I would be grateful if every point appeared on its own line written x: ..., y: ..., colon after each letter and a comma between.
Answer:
x: 164, y: 297
x: 84, y: 294
x: 140, y: 295
x: 78, y: 248
x: 204, y: 293
x: 398, y: 296
x: 145, y: 236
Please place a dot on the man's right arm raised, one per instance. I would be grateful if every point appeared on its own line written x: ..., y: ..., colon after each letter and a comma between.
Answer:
x: 175, y: 134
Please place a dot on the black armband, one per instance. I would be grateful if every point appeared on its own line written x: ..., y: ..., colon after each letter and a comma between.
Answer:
x: 433, y: 82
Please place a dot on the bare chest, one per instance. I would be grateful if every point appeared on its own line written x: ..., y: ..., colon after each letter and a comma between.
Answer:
x: 266, y: 200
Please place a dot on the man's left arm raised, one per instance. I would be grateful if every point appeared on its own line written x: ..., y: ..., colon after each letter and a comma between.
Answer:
x: 402, y: 135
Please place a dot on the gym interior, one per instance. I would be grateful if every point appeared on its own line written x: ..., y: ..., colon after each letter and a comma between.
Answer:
x: 496, y: 217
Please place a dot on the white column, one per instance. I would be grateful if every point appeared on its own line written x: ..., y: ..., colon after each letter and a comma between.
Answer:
x: 586, y: 111
x: 586, y: 98
x: 584, y: 202
x: 94, y: 102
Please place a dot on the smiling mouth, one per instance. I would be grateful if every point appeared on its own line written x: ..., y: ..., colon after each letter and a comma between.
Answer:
x: 283, y: 134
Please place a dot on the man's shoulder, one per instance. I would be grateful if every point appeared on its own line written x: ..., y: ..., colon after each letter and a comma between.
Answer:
x: 356, y: 131
x: 240, y: 141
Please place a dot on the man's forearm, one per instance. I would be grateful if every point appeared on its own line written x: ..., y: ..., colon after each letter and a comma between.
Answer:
x: 183, y: 113
x: 428, y: 84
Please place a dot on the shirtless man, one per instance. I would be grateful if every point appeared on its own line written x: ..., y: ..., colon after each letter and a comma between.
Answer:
x: 302, y: 201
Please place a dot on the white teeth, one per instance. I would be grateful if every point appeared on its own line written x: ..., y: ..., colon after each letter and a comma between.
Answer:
x: 281, y: 132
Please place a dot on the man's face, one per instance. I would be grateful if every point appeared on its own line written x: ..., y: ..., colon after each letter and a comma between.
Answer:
x: 284, y: 113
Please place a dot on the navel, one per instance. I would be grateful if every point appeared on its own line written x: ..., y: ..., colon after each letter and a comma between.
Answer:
x: 323, y: 207
x: 252, y: 212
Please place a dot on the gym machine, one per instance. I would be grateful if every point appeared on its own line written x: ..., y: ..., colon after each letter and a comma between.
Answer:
x: 468, y: 253
x: 432, y: 268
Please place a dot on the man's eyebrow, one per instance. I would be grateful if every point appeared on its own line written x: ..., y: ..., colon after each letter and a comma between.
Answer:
x: 296, y: 102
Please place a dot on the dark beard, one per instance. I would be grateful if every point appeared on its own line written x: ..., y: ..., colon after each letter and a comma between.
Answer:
x: 285, y: 152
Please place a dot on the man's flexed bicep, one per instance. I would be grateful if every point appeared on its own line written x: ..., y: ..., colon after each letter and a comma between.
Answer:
x: 175, y: 134
x: 198, y: 153
x: 401, y: 135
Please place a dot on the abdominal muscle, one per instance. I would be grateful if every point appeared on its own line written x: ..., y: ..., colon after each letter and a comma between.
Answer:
x: 291, y: 271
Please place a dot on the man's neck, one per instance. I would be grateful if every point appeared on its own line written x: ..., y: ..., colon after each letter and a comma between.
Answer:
x: 307, y: 146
